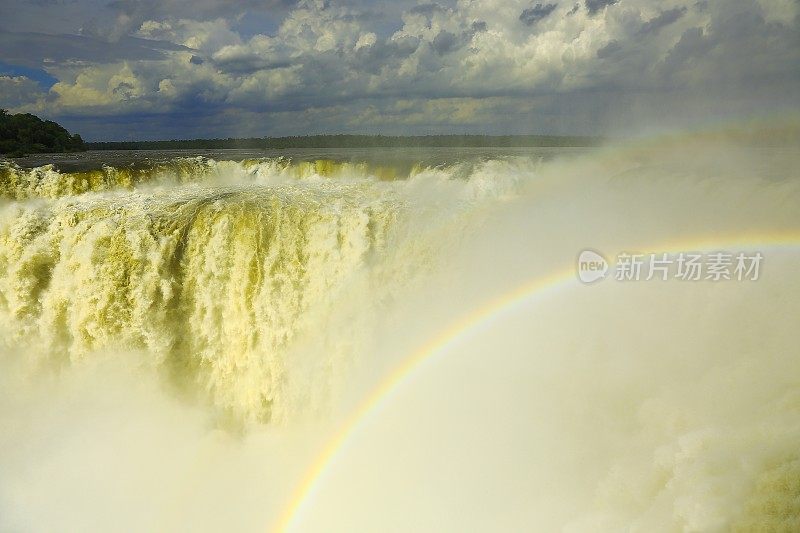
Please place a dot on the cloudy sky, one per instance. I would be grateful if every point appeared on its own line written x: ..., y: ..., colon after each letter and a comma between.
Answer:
x: 144, y: 69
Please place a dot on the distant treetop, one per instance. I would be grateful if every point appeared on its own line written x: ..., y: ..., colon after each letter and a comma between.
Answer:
x: 353, y: 141
x: 24, y: 133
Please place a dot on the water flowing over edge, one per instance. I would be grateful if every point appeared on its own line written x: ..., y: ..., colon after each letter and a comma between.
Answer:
x: 224, y: 271
x: 256, y: 287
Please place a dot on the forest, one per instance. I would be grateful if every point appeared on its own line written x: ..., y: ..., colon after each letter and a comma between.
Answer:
x: 24, y: 133
x: 353, y: 141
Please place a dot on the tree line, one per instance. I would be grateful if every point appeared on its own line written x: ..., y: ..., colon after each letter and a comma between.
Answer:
x: 24, y: 133
x: 353, y: 141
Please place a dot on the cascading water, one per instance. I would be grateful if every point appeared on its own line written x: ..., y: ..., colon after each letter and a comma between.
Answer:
x: 183, y: 339
x: 216, y: 269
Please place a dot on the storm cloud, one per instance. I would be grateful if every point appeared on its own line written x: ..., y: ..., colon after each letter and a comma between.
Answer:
x: 33, y: 49
x: 665, y: 18
x: 593, y: 6
x: 211, y: 68
x: 534, y: 14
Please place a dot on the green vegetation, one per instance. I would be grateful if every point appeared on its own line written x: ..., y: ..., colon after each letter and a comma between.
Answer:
x: 25, y: 133
x: 353, y: 141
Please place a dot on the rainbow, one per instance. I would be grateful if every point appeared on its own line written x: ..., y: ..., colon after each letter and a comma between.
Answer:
x: 532, y: 290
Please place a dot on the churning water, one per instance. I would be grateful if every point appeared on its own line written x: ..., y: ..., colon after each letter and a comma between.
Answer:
x: 398, y: 342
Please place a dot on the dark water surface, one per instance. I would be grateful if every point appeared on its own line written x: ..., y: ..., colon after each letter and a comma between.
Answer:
x: 394, y: 157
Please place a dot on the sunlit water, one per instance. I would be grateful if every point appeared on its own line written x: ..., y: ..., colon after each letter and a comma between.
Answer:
x: 396, y: 341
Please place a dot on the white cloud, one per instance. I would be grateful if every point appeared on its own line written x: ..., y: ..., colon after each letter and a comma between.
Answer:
x: 205, y: 36
x: 366, y: 40
x: 19, y: 93
x: 454, y: 61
